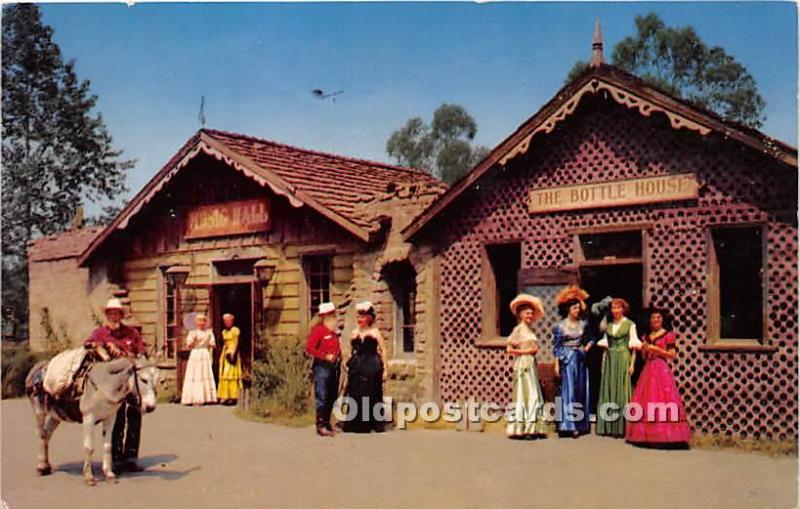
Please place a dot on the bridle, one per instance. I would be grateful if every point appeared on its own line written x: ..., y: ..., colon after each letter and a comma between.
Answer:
x: 136, y: 392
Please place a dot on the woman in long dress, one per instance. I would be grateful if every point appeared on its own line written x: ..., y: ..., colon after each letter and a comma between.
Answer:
x: 621, y: 342
x: 230, y: 362
x: 198, y: 382
x: 570, y: 346
x: 526, y: 419
x: 366, y: 371
x: 656, y: 389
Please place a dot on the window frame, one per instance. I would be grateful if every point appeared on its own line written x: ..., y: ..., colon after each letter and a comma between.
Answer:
x: 400, y: 325
x: 490, y: 336
x: 714, y: 339
x: 308, y: 313
x: 170, y: 352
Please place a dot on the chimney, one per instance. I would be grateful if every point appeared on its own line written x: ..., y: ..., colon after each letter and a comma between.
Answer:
x: 597, y: 46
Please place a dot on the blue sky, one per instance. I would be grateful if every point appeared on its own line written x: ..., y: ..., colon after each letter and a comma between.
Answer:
x: 256, y: 65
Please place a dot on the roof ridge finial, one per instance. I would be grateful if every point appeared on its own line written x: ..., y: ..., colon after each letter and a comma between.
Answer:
x: 597, y: 46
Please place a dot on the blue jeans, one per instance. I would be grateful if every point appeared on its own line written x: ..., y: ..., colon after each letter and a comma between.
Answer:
x: 326, y: 384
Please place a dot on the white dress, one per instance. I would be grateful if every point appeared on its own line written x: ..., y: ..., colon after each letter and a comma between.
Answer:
x: 198, y: 381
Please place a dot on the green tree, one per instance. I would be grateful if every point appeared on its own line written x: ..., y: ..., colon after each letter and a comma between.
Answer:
x: 444, y: 147
x: 56, y: 151
x: 678, y: 62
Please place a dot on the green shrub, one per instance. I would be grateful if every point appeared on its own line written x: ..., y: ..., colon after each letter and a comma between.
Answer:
x: 17, y: 362
x: 281, y: 382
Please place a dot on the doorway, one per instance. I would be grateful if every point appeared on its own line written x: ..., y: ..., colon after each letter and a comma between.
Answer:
x: 624, y: 281
x: 237, y: 300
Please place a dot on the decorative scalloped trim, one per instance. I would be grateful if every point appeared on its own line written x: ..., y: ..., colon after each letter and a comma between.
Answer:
x: 620, y: 96
x: 205, y: 148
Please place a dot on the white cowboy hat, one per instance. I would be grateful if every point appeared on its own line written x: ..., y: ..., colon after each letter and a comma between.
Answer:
x: 326, y: 308
x: 527, y: 300
x: 364, y: 307
x: 113, y: 304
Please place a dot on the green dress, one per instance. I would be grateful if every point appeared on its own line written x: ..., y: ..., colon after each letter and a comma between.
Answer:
x: 615, y: 382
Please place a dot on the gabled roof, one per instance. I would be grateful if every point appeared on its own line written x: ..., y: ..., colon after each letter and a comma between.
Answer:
x: 68, y: 244
x: 335, y: 186
x: 625, y: 89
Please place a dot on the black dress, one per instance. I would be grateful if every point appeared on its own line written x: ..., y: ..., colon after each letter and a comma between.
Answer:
x: 364, y: 385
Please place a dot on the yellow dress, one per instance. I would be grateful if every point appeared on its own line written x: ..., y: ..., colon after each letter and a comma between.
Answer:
x: 230, y: 375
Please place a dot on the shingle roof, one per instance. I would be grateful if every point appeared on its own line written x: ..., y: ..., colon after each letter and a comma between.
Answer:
x: 68, y: 244
x: 338, y: 187
x: 336, y: 182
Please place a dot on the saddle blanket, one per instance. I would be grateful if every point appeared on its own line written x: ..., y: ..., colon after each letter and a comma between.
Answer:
x: 61, y: 370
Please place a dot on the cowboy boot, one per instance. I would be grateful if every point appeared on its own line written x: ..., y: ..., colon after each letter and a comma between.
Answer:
x: 322, y: 430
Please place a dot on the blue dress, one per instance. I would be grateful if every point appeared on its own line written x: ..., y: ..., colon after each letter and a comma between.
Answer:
x: 569, y: 340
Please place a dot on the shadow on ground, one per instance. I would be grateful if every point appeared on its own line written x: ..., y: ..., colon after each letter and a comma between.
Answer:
x: 154, y: 467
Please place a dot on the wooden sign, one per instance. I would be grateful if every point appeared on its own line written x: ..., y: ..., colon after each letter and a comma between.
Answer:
x: 615, y: 194
x: 229, y: 218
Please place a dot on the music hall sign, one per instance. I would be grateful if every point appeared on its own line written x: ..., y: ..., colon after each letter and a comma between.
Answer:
x: 618, y: 193
x: 230, y: 218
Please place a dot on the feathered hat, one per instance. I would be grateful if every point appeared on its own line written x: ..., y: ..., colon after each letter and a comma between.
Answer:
x: 572, y: 294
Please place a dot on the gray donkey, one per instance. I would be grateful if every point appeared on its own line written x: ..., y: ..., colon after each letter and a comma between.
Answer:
x: 105, y: 387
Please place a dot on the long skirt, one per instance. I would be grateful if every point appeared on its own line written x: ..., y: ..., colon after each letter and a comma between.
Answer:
x: 527, y: 415
x: 365, y: 387
x: 664, y: 417
x: 230, y: 378
x: 615, y: 393
x: 198, y: 381
x: 575, y: 394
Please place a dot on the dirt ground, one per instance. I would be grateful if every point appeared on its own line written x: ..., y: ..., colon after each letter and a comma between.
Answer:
x: 208, y: 458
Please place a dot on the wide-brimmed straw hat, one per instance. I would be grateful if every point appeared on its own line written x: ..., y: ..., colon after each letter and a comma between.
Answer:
x: 524, y: 299
x: 113, y: 304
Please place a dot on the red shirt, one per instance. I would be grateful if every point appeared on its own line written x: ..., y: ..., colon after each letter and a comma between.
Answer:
x: 124, y: 337
x: 323, y: 341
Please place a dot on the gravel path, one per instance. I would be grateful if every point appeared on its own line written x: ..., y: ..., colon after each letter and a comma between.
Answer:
x: 208, y: 458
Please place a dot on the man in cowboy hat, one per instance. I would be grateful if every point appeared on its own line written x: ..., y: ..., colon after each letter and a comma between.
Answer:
x: 116, y: 339
x: 323, y: 345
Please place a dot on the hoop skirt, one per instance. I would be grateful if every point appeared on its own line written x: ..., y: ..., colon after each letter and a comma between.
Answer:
x: 656, y: 389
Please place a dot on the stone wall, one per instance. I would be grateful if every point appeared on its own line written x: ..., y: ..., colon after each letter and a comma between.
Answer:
x: 68, y: 297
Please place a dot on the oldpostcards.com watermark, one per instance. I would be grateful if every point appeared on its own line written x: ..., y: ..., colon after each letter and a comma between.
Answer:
x: 347, y: 409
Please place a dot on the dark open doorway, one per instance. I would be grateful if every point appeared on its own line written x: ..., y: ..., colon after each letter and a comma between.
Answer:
x: 235, y: 299
x: 616, y: 280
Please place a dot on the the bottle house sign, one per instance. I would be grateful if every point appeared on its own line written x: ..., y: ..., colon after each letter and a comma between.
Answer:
x: 615, y: 194
x: 229, y: 218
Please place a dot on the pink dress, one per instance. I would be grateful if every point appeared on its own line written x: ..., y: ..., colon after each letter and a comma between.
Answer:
x: 664, y: 416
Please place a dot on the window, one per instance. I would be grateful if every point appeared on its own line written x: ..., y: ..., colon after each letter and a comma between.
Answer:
x: 500, y: 271
x: 402, y: 281
x: 611, y: 245
x: 317, y: 269
x: 231, y: 268
x: 170, y: 324
x: 736, y: 289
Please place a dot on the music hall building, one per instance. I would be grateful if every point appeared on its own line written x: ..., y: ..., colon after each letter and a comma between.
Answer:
x: 631, y: 193
x: 261, y: 230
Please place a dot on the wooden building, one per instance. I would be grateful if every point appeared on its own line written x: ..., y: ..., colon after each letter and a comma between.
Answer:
x: 265, y: 231
x: 632, y: 193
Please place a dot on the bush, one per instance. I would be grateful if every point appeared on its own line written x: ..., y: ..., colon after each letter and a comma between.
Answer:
x: 17, y: 362
x: 281, y: 382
